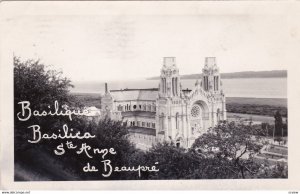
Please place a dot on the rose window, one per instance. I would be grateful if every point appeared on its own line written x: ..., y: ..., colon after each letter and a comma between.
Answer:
x: 196, y: 110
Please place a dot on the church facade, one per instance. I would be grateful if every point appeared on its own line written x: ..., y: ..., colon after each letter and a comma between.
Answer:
x: 169, y: 113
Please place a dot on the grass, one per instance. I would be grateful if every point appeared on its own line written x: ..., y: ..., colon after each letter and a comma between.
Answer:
x: 257, y: 106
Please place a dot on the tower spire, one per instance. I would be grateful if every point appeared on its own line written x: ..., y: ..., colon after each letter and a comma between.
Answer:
x: 169, y: 61
x: 169, y: 78
x: 211, y: 75
x: 106, y: 88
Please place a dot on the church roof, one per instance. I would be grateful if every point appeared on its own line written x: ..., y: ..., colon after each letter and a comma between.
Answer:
x: 135, y: 94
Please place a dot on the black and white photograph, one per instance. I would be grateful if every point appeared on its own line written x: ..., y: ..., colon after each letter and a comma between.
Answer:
x: 140, y: 91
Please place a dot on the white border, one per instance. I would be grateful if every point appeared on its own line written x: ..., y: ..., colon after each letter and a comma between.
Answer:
x: 291, y: 9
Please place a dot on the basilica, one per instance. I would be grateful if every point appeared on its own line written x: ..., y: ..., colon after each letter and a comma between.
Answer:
x: 168, y: 112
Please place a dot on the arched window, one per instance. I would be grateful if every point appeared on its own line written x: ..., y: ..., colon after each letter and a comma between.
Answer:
x: 218, y: 115
x: 149, y: 108
x: 153, y: 125
x: 177, y: 120
x: 144, y: 107
x: 119, y: 108
x: 162, y: 117
x: 165, y: 85
x: 173, y: 86
x: 176, y: 85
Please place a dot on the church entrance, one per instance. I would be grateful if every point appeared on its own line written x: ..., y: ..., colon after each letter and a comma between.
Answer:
x: 199, y: 117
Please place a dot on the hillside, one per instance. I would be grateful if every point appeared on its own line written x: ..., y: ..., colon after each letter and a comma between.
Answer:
x: 243, y: 74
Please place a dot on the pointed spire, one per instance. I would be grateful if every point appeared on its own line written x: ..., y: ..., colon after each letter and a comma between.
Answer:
x: 169, y: 61
x: 210, y: 61
x: 106, y: 88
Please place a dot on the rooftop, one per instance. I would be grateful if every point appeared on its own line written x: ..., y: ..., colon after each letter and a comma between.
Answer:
x: 135, y: 94
x: 143, y: 89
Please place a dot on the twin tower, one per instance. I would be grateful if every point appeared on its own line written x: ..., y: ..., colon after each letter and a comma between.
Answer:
x: 183, y: 115
x: 170, y: 79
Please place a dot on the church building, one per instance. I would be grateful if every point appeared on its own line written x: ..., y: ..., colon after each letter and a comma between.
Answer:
x: 169, y: 113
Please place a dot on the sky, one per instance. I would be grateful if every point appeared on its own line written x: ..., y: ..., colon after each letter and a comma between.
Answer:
x: 120, y: 44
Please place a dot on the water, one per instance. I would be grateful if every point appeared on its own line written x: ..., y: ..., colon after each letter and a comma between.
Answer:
x: 249, y: 87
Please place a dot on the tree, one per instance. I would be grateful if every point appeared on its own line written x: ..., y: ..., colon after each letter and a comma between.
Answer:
x: 278, y: 170
x: 173, y: 162
x: 285, y: 128
x: 108, y: 134
x: 278, y: 133
x: 32, y: 82
x: 41, y: 86
x: 233, y: 145
x: 178, y: 163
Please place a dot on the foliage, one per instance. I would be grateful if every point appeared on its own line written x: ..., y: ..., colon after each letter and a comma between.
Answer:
x: 179, y: 163
x: 173, y: 162
x: 32, y: 82
x: 278, y: 124
x: 41, y: 87
x: 277, y: 170
x: 109, y: 134
x: 232, y: 144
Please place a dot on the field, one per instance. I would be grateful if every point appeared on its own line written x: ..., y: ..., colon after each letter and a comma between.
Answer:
x: 276, y: 102
x: 89, y: 99
x: 257, y: 106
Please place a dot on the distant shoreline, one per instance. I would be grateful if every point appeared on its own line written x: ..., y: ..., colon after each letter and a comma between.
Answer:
x: 239, y: 75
